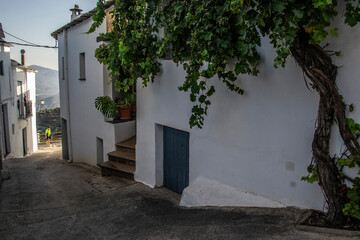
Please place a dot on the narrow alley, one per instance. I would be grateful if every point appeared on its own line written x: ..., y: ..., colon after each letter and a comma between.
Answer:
x: 48, y: 198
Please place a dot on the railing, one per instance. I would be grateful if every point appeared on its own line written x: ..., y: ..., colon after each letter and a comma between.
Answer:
x: 25, y: 109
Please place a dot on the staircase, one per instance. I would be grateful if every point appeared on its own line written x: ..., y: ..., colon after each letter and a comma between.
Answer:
x: 122, y: 161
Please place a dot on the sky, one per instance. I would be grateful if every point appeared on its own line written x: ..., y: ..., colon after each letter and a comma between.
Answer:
x: 34, y: 21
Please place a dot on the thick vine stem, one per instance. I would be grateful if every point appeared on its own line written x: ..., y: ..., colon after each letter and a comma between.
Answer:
x: 318, y: 67
x: 325, y: 164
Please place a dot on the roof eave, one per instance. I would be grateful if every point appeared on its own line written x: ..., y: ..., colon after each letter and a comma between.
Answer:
x: 23, y: 67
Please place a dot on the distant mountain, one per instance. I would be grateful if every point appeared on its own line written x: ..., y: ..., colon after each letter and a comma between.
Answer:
x: 47, y: 87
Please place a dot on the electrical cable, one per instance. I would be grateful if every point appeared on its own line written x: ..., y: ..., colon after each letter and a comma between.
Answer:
x: 29, y: 44
x: 19, y: 38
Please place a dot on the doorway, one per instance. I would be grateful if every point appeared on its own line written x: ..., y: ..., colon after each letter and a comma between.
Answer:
x: 64, y: 139
x: 24, y: 139
x: 5, y: 127
x: 99, y: 150
x: 176, y: 159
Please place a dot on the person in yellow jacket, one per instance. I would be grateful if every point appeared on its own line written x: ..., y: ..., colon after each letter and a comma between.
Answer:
x: 48, y: 135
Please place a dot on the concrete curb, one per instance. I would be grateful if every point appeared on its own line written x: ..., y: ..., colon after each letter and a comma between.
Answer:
x: 330, y: 231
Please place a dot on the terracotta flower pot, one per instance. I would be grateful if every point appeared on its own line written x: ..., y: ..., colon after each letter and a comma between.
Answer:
x: 125, y: 112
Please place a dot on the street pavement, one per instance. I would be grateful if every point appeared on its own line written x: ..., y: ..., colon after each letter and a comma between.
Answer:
x: 48, y: 198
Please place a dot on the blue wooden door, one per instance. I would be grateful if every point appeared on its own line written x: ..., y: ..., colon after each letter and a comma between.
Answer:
x: 176, y: 159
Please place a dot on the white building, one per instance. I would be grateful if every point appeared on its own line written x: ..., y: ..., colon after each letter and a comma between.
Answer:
x: 253, y: 149
x: 17, y: 103
x: 87, y: 135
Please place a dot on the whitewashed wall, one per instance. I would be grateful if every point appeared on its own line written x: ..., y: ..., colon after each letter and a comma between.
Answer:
x: 15, y: 124
x: 8, y: 84
x: 16, y: 135
x: 32, y: 129
x: 259, y: 142
x: 5, y: 79
x: 85, y: 123
x: 5, y: 90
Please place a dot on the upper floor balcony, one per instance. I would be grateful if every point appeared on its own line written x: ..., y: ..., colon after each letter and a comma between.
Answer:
x: 24, y: 109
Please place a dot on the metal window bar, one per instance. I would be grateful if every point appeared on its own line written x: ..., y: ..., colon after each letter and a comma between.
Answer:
x: 25, y: 109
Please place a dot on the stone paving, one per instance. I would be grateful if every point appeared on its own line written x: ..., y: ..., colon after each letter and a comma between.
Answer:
x: 48, y: 198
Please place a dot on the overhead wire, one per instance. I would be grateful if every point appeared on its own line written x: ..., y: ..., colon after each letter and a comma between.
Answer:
x: 19, y: 38
x: 27, y: 43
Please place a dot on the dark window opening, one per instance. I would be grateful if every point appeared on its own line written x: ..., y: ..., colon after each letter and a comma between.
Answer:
x: 2, y: 68
x: 82, y: 66
x: 62, y: 68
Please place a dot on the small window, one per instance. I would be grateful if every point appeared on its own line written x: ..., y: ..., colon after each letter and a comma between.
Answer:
x: 82, y: 66
x: 1, y: 68
x: 62, y: 68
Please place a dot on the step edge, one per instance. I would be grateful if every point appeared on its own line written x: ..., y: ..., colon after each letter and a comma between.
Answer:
x: 132, y: 157
x: 104, y: 165
x: 125, y: 145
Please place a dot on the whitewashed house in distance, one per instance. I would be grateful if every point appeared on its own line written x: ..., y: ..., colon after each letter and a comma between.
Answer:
x: 253, y: 149
x: 17, y: 104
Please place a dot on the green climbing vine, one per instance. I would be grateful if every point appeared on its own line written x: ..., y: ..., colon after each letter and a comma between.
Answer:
x: 220, y: 39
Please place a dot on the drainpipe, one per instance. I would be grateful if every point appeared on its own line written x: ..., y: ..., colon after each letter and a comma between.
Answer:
x: 66, y: 63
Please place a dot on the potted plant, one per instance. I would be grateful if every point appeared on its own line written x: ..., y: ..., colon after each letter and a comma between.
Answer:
x: 106, y: 106
x: 124, y: 107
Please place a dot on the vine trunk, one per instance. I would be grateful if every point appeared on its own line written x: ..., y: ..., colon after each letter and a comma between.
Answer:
x: 318, y: 67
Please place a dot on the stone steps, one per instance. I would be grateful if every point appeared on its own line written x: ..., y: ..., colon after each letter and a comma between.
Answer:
x: 122, y: 157
x: 127, y: 145
x: 111, y: 168
x: 122, y: 161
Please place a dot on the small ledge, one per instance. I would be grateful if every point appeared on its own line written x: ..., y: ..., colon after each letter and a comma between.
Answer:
x: 121, y: 121
x: 102, y: 39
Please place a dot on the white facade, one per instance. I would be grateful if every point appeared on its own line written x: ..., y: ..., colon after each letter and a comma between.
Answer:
x: 85, y: 131
x: 17, y: 105
x: 258, y: 143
